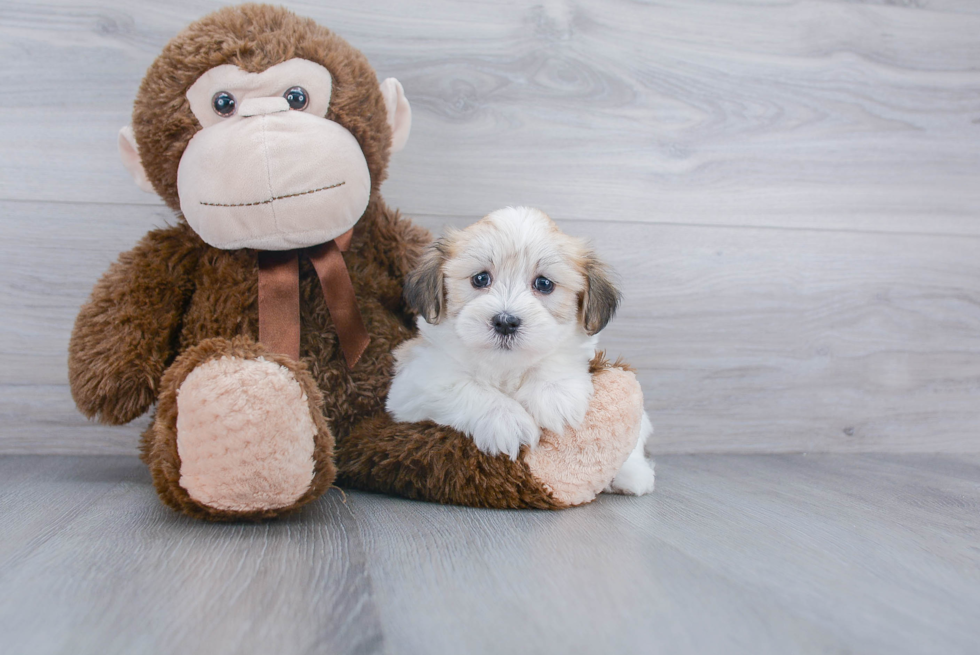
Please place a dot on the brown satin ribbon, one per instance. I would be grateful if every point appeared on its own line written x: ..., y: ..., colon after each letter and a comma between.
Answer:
x: 279, y: 298
x: 339, y: 294
x: 279, y: 301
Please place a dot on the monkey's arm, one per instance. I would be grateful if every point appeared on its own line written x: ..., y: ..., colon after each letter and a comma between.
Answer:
x: 124, y: 336
x: 437, y: 464
x: 426, y: 461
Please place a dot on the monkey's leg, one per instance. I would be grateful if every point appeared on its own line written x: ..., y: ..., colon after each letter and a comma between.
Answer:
x: 435, y: 463
x: 238, y: 433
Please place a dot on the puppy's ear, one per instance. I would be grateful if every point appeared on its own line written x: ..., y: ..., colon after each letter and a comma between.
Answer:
x: 601, y: 297
x: 424, y: 290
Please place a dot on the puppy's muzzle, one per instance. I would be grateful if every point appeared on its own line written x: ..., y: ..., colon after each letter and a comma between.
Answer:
x: 505, y: 324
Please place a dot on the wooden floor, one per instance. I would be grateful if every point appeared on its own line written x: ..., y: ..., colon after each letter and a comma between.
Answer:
x: 733, y: 554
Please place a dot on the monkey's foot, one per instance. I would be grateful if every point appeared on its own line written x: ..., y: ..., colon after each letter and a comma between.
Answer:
x: 238, y: 434
x: 578, y: 464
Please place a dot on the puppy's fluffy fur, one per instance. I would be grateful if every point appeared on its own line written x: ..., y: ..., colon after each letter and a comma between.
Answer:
x: 501, y: 353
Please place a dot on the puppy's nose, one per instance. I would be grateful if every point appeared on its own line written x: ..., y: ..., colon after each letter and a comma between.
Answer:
x: 506, y: 324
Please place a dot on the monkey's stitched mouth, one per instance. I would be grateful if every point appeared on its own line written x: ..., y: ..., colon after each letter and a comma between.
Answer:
x: 274, y: 198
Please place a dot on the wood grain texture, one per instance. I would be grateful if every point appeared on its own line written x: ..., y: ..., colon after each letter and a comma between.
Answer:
x: 92, y: 562
x: 732, y: 554
x: 787, y: 190
x: 747, y: 340
x: 820, y: 114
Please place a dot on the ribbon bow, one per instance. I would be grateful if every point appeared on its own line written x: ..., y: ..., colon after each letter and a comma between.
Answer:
x: 279, y: 298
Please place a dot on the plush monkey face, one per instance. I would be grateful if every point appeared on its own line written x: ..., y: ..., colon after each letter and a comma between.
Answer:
x: 273, y: 148
x: 268, y: 170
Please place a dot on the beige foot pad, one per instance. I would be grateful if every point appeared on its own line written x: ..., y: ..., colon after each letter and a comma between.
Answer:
x: 244, y: 435
x: 576, y: 466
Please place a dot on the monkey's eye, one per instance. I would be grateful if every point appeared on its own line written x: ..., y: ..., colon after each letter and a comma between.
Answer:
x: 480, y: 280
x: 297, y: 98
x: 223, y: 103
x: 543, y: 285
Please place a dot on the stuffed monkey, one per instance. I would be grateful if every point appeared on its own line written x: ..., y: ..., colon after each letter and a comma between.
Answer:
x: 262, y: 323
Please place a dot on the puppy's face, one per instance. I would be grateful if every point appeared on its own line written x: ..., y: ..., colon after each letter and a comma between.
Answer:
x: 513, y: 282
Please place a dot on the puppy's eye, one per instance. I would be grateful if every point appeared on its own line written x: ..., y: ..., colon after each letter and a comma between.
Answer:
x: 543, y: 285
x: 297, y: 98
x: 480, y: 280
x: 223, y: 103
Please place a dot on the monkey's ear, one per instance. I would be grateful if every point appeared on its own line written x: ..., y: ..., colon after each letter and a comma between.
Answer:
x: 399, y: 112
x: 601, y: 297
x: 130, y: 155
x: 424, y: 291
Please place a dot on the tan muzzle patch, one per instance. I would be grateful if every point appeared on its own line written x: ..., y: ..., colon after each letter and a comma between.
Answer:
x: 272, y: 180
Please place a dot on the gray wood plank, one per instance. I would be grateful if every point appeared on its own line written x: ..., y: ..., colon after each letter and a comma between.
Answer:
x: 808, y: 114
x: 41, y: 419
x: 731, y: 554
x: 759, y: 340
x: 576, y: 582
x: 120, y: 573
x: 878, y: 550
x: 39, y: 497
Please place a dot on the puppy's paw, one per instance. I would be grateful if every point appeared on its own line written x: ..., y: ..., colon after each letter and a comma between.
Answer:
x: 555, y: 405
x: 636, y: 478
x: 503, y: 429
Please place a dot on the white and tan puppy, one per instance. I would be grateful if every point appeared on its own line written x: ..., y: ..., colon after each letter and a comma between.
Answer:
x: 509, y: 312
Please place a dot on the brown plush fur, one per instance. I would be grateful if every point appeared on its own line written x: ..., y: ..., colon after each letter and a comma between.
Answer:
x: 445, y: 467
x: 254, y: 38
x: 600, y: 363
x: 159, y: 443
x: 173, y: 301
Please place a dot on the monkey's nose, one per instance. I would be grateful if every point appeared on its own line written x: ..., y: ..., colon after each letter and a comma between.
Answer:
x: 261, y: 106
x: 505, y: 324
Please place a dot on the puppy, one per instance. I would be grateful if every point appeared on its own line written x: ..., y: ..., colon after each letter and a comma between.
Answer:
x: 509, y: 312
